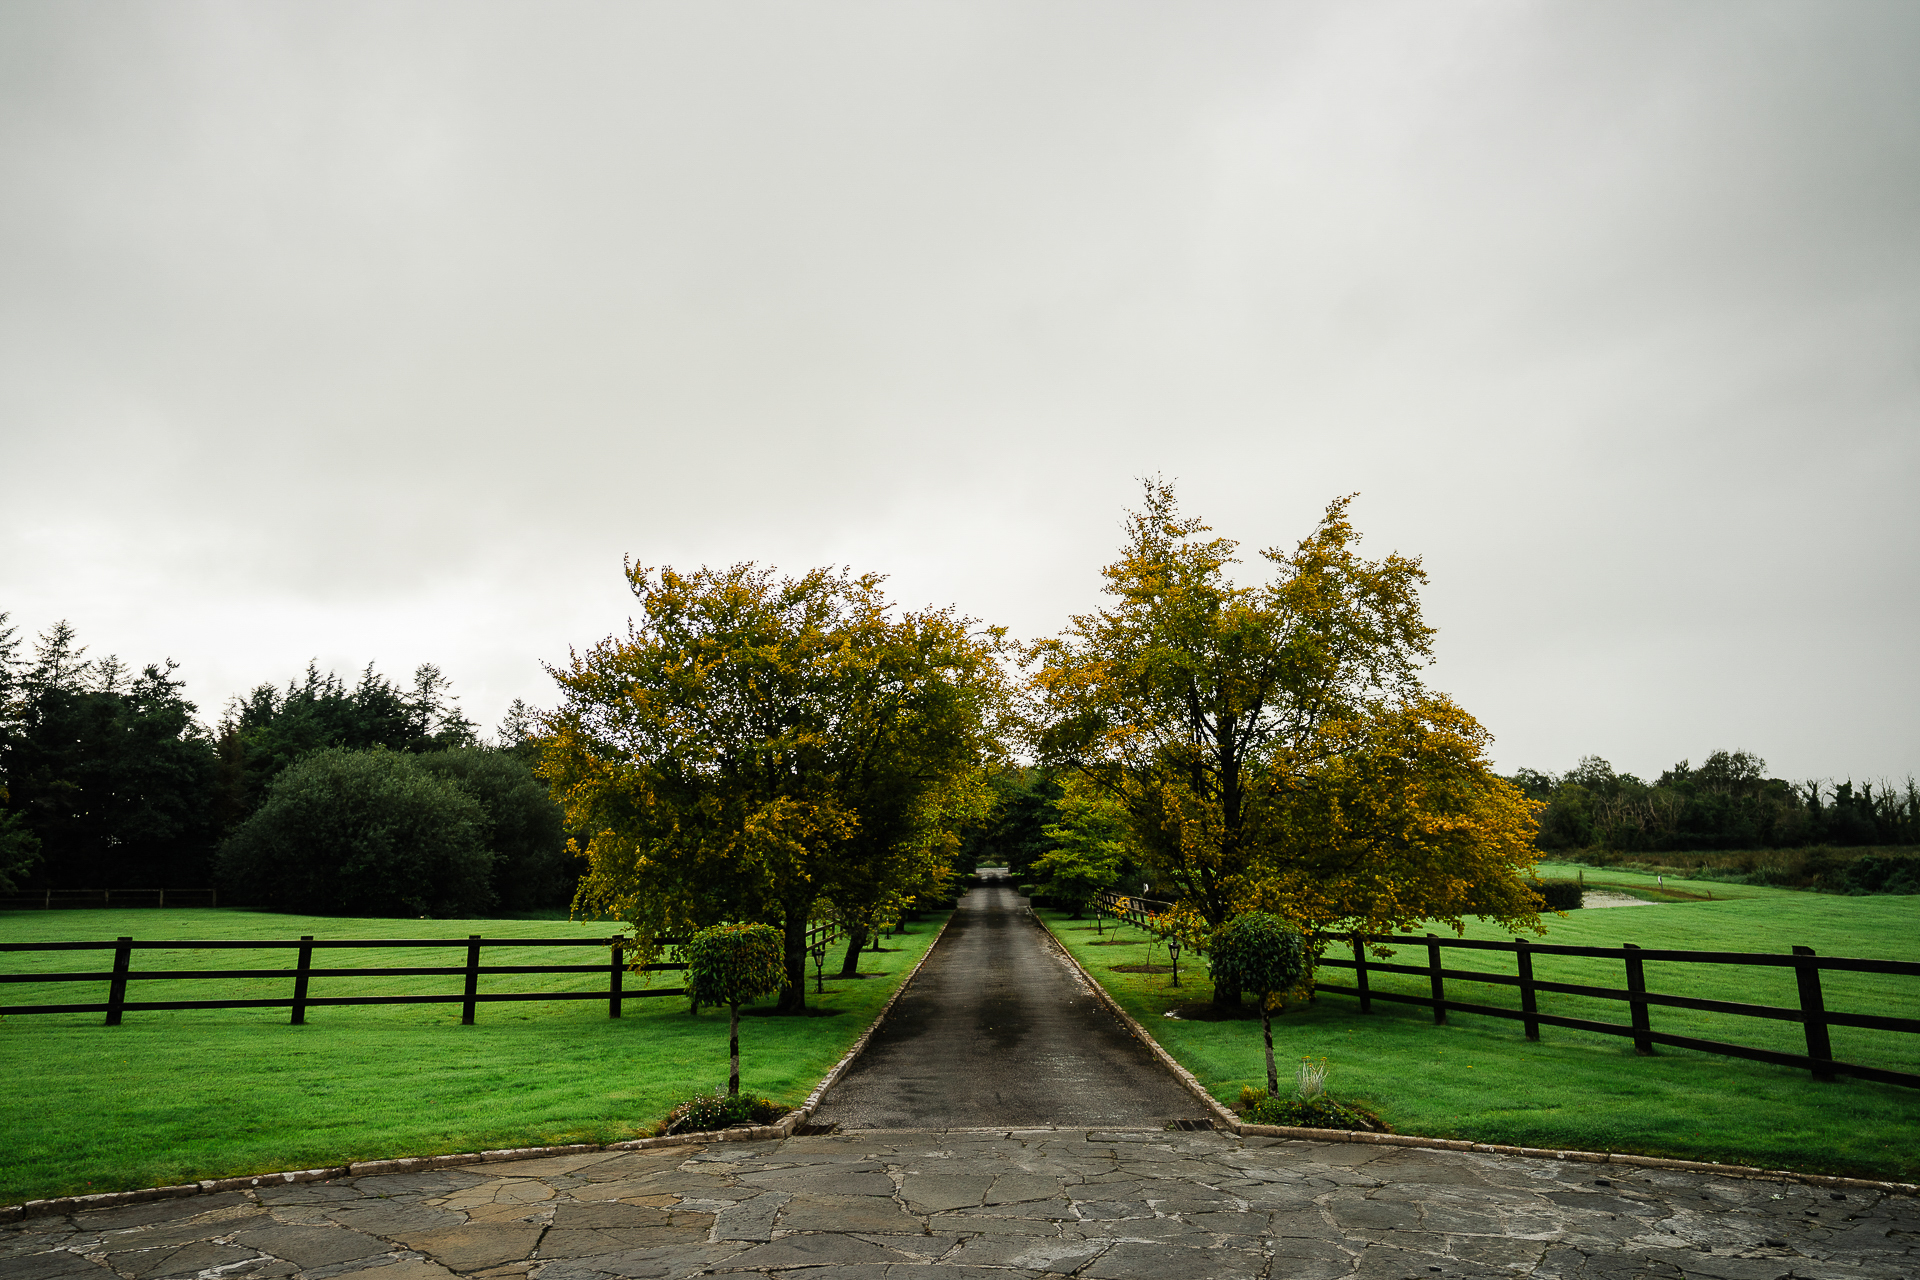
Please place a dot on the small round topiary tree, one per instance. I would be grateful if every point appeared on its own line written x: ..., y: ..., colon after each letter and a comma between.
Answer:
x: 730, y: 964
x: 1261, y: 953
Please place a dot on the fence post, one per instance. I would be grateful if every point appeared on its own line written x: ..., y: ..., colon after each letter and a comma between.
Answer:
x: 614, y: 970
x: 1813, y: 1011
x: 163, y: 898
x: 1637, y: 996
x: 1360, y: 973
x: 1524, y: 954
x: 473, y: 979
x: 300, y: 968
x: 117, y: 989
x: 1439, y: 986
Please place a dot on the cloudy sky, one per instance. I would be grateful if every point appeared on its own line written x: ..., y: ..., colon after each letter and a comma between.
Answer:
x: 383, y: 331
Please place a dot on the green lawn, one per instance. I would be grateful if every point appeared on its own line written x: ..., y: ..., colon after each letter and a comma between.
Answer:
x: 1479, y: 1078
x: 169, y: 1097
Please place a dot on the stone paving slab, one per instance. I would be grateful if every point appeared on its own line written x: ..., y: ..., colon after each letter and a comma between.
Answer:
x: 995, y: 1205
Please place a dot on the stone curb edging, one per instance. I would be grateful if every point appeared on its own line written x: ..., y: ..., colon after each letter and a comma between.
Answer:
x: 781, y: 1128
x: 799, y: 1115
x: 1220, y: 1113
x: 1234, y: 1124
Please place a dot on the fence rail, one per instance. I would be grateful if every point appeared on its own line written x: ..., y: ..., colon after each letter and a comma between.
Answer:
x: 1139, y: 912
x: 47, y: 898
x: 303, y: 972
x: 1810, y: 1012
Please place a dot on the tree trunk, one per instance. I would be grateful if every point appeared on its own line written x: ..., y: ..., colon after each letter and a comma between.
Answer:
x: 793, y: 996
x: 733, y: 1051
x: 850, y: 965
x: 1273, y: 1072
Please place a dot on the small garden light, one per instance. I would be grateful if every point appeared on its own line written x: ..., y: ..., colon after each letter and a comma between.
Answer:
x: 1173, y: 949
x: 820, y: 964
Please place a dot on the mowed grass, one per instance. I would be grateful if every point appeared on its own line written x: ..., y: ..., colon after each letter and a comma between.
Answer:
x: 171, y: 1097
x: 1479, y: 1078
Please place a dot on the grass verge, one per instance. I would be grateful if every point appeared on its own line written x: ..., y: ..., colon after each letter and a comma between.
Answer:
x: 177, y: 1096
x: 1478, y: 1078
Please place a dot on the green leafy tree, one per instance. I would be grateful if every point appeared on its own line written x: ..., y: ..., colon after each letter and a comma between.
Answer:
x: 266, y: 731
x: 362, y: 833
x: 1089, y: 848
x: 110, y: 773
x: 1262, y: 953
x: 531, y: 865
x: 19, y: 849
x: 732, y: 964
x: 756, y: 742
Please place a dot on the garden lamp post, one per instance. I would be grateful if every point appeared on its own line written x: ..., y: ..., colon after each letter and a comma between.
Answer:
x: 819, y: 964
x: 1173, y: 949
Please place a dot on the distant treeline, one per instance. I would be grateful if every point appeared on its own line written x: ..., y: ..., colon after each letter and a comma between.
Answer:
x: 1727, y: 803
x: 109, y: 780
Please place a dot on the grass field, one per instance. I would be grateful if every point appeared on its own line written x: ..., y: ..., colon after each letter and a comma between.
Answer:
x: 1479, y: 1078
x: 170, y: 1097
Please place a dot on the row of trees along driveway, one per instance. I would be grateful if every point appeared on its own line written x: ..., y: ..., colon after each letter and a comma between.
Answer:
x: 767, y: 748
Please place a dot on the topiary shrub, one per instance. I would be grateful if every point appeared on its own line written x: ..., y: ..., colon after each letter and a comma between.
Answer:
x: 1261, y: 953
x: 731, y: 964
x: 705, y: 1112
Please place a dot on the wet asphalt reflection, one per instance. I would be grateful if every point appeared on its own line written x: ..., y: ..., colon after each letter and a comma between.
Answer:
x: 998, y: 1030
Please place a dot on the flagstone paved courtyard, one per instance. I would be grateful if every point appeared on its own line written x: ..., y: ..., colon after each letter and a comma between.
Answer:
x: 894, y: 1205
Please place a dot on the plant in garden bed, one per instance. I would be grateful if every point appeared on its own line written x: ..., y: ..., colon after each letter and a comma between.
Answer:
x: 706, y: 1112
x: 1311, y: 1107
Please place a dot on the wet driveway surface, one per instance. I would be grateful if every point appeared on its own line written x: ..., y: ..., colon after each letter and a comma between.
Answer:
x: 880, y: 1205
x: 998, y: 1030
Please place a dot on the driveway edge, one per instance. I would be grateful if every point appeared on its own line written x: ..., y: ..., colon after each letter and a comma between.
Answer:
x: 798, y: 1116
x: 1233, y: 1123
x: 1220, y: 1113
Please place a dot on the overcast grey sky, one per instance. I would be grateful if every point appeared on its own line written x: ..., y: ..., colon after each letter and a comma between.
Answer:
x: 383, y: 331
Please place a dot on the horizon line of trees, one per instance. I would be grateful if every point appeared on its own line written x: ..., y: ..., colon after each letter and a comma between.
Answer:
x: 109, y: 779
x: 1727, y: 803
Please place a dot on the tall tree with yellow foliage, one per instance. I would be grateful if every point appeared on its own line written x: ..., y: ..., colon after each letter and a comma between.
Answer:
x: 754, y: 742
x: 1273, y: 743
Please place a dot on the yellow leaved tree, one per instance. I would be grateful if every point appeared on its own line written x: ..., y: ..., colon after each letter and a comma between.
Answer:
x: 1272, y: 744
x: 756, y: 746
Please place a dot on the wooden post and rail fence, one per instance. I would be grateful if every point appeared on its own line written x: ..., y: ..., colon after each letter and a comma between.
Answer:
x: 300, y: 997
x: 1811, y: 1011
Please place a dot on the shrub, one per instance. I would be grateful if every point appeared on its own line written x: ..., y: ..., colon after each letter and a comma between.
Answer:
x: 1261, y: 953
x: 532, y: 867
x: 706, y: 1112
x: 1558, y: 895
x: 1320, y: 1112
x: 730, y: 964
x: 361, y: 833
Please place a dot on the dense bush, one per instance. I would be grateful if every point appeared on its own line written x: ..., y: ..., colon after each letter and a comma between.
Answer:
x: 362, y: 833
x: 523, y: 826
x: 1559, y: 895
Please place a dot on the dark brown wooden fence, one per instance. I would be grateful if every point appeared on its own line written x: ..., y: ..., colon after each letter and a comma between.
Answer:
x: 1812, y: 1013
x: 46, y: 898
x: 301, y: 975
